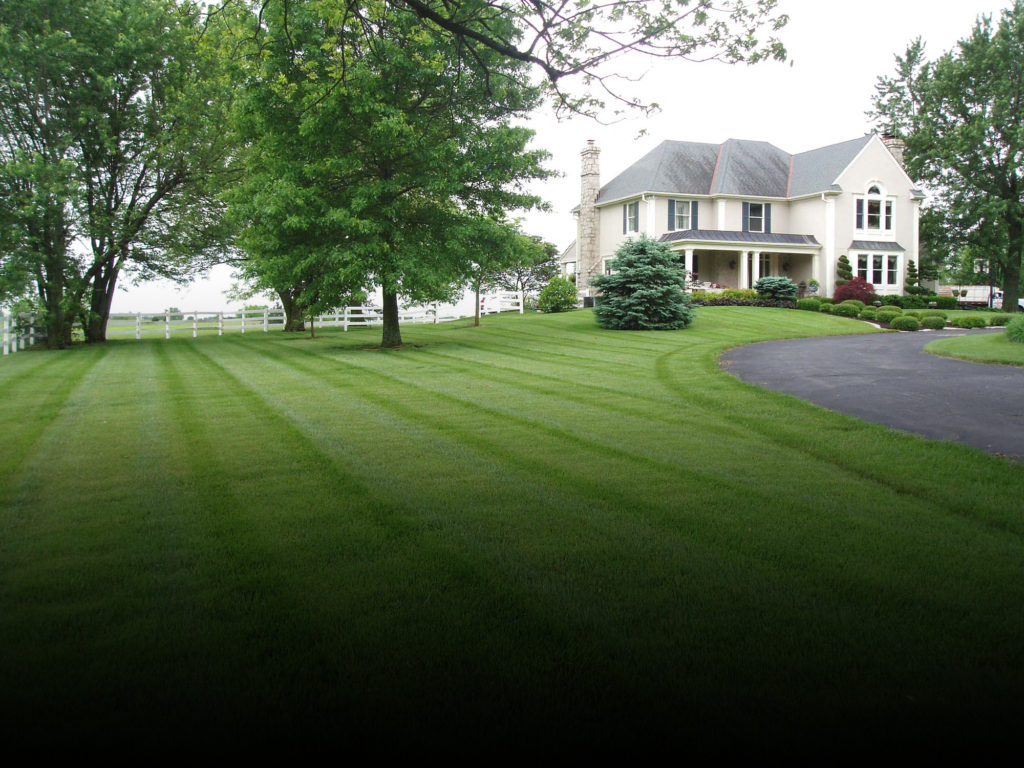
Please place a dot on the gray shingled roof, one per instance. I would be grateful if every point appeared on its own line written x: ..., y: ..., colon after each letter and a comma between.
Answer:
x: 815, y: 171
x: 725, y: 236
x: 875, y: 245
x: 672, y: 167
x: 737, y: 167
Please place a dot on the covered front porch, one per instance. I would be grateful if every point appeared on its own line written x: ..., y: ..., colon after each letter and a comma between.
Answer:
x: 715, y: 258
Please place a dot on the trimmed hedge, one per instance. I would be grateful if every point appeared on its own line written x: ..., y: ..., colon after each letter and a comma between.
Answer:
x: 934, y: 313
x: 868, y: 313
x: 970, y: 321
x: 903, y: 323
x: 855, y: 302
x: 827, y: 308
x: 812, y: 305
x: 933, y: 323
x: 1015, y: 329
x: 946, y: 302
x: 845, y: 310
x: 1001, y: 319
x: 912, y: 313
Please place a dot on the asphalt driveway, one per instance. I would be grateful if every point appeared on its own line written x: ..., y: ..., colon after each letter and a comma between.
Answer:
x: 888, y: 379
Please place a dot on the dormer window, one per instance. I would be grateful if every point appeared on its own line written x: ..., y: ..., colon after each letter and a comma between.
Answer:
x: 874, y: 211
x: 757, y: 217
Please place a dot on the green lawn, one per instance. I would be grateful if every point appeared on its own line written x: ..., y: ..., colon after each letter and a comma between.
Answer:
x: 530, y: 535
x: 980, y: 348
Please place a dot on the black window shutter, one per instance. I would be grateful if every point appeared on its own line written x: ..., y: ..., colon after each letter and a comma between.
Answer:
x: 625, y: 220
x: 693, y: 215
x: 746, y: 217
x: 767, y: 218
x: 671, y: 215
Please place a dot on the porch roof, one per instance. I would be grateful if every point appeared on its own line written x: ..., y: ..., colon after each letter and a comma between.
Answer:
x: 875, y: 245
x: 729, y: 236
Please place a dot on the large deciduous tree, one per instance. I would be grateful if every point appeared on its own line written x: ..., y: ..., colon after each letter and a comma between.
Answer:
x: 111, y: 148
x: 962, y: 118
x: 380, y: 152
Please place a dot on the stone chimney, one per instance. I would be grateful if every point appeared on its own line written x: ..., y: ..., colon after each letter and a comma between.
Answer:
x: 895, y: 146
x: 587, y: 227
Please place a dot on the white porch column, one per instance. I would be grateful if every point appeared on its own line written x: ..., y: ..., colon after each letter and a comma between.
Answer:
x: 828, y: 278
x: 755, y: 268
x: 688, y: 264
x: 742, y: 269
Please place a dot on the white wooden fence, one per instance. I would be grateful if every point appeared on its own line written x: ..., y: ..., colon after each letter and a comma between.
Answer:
x: 19, y: 331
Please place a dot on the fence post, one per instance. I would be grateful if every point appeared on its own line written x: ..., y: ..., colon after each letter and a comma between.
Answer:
x: 220, y: 323
x: 242, y: 313
x: 21, y: 336
x: 31, y: 330
x: 266, y: 320
x: 195, y: 324
x: 520, y: 295
x: 344, y: 320
x: 138, y: 326
x: 5, y: 320
x: 167, y: 325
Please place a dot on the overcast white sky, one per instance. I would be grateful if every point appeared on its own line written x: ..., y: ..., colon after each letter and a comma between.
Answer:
x: 836, y: 50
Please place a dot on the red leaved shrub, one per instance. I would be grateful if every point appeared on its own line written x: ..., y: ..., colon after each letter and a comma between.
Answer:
x: 858, y: 288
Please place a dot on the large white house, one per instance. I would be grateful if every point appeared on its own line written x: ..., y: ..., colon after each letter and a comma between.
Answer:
x: 742, y: 210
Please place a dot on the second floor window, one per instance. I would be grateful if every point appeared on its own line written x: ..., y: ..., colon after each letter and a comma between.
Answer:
x: 757, y: 217
x: 631, y: 217
x: 874, y: 212
x: 682, y: 215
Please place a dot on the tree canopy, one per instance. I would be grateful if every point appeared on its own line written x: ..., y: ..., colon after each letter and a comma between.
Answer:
x: 380, y: 153
x: 962, y: 118
x: 111, y: 145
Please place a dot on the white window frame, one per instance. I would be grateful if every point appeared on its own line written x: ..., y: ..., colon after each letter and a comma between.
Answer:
x: 875, y: 195
x: 683, y: 209
x: 760, y: 217
x: 632, y: 216
x: 890, y: 265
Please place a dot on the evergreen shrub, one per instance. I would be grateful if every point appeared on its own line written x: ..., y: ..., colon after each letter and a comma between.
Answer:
x: 644, y: 291
x: 845, y: 310
x: 778, y: 288
x: 1000, y: 319
x: 946, y: 302
x: 868, y: 313
x: 933, y: 322
x: 903, y: 323
x: 810, y: 304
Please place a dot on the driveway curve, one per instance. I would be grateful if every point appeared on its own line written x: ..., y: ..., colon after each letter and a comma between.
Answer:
x: 888, y: 379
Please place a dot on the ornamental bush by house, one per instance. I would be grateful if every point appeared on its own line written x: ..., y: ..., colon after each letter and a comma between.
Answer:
x: 778, y: 288
x: 933, y: 323
x: 644, y: 291
x: 868, y: 313
x: 1015, y: 329
x: 812, y: 305
x: 858, y: 288
x: 559, y: 295
x: 845, y: 310
x: 1001, y: 318
x: 844, y: 270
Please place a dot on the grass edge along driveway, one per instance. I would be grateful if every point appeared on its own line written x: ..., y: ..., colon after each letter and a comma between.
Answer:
x: 535, y: 534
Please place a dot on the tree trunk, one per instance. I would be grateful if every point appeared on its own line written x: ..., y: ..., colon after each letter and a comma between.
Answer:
x: 476, y: 314
x: 293, y: 319
x: 1011, y: 269
x: 392, y: 336
x: 95, y: 324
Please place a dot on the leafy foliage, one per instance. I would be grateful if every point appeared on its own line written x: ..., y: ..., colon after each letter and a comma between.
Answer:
x: 857, y: 288
x: 111, y: 149
x: 808, y: 304
x: 961, y: 118
x: 559, y: 295
x: 776, y: 288
x: 933, y: 323
x: 381, y: 153
x: 1015, y: 329
x: 970, y: 321
x: 645, y: 290
x: 845, y: 310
